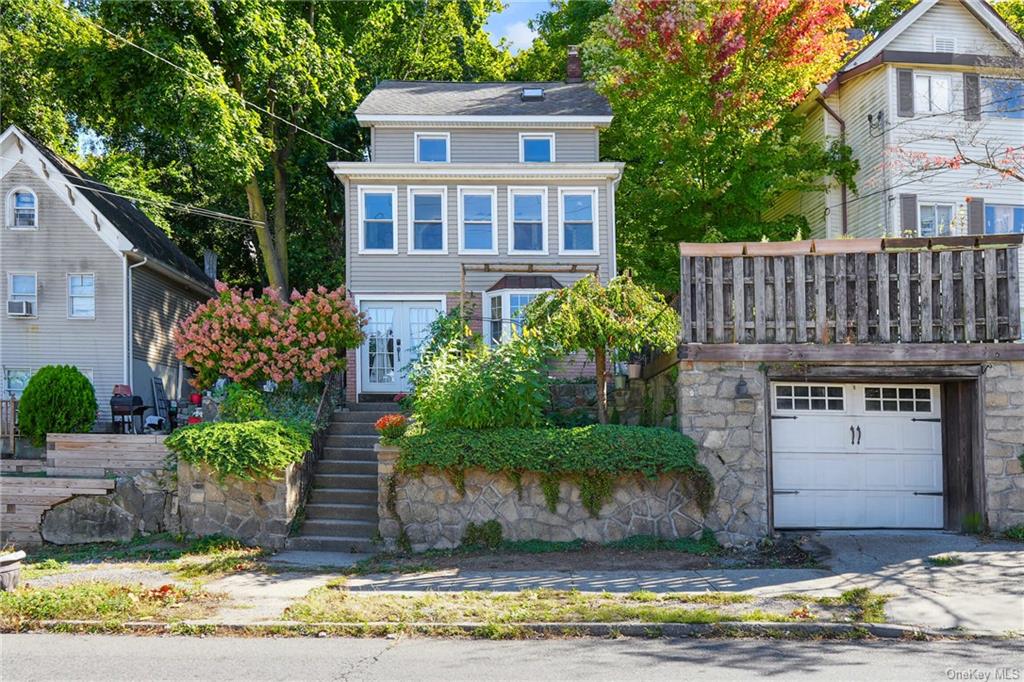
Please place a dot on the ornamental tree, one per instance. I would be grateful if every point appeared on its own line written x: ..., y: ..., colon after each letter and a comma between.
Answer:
x: 621, y: 318
x: 252, y: 339
x: 704, y: 93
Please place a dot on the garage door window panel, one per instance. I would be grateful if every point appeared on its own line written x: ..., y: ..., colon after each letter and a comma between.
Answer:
x: 809, y: 397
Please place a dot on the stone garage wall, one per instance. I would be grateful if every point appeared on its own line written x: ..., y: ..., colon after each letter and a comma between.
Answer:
x: 432, y: 514
x: 731, y: 437
x: 1003, y: 387
x: 254, y: 512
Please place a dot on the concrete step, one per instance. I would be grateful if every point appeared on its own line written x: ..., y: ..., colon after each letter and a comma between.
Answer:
x: 342, y: 512
x: 363, y: 416
x: 346, y: 466
x: 353, y: 428
x: 350, y: 441
x: 339, y: 528
x: 382, y: 407
x: 343, y: 496
x: 315, y: 543
x: 355, y: 481
x: 337, y: 454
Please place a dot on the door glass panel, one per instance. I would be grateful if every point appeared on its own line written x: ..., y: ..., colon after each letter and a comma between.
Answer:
x: 380, y: 344
x: 420, y: 320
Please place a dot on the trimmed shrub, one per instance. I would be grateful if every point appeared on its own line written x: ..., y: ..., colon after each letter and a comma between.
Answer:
x: 57, y: 399
x: 248, y: 450
x: 590, y: 456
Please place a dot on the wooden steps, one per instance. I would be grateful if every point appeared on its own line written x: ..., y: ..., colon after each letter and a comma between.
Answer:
x: 22, y: 466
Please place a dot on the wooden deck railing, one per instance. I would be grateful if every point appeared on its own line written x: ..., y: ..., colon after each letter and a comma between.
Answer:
x: 9, y: 420
x: 891, y: 291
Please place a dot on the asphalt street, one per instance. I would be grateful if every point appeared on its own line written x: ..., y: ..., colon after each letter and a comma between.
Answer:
x: 108, y: 658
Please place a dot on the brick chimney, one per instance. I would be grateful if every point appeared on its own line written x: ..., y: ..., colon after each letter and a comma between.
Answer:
x: 573, y: 65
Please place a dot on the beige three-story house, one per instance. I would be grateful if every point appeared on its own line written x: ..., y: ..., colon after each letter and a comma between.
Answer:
x: 480, y: 194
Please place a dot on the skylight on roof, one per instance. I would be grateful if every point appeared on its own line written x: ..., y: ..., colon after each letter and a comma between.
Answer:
x: 533, y: 94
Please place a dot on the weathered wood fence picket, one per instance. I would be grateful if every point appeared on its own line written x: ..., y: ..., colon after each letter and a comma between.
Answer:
x: 929, y: 295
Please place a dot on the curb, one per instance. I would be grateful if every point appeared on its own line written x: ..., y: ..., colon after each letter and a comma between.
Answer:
x: 766, y: 629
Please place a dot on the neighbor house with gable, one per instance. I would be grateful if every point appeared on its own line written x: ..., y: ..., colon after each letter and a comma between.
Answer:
x: 87, y: 279
x: 946, y: 77
x: 480, y: 194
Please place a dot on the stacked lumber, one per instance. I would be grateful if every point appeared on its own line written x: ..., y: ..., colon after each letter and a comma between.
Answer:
x: 101, y: 454
x: 23, y: 499
x: 21, y: 466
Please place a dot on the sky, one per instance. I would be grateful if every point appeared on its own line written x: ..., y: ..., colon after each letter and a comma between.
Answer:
x: 512, y: 23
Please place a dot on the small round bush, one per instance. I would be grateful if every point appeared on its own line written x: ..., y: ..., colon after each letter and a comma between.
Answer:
x: 58, y: 399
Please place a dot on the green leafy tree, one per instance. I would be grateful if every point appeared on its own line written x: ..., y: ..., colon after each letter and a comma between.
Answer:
x: 704, y: 93
x: 874, y: 16
x: 622, y: 318
x: 1012, y: 12
x: 568, y: 22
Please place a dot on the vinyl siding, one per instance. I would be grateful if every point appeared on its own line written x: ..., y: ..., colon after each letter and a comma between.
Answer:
x: 484, y: 145
x: 158, y: 306
x: 855, y: 101
x: 404, y: 272
x: 63, y: 244
x: 949, y: 18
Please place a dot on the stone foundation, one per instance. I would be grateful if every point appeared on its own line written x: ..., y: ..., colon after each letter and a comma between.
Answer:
x: 433, y: 515
x: 253, y: 512
x: 1003, y: 405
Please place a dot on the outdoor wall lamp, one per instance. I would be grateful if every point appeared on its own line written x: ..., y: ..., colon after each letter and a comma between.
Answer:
x: 742, y: 392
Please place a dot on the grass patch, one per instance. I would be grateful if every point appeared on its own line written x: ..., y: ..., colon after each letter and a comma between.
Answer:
x: 706, y: 545
x: 105, y: 601
x: 866, y: 606
x: 326, y: 605
x: 40, y: 569
x: 1015, y: 533
x: 945, y: 560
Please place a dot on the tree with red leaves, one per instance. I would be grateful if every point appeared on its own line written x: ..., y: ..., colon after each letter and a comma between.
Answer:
x: 704, y: 94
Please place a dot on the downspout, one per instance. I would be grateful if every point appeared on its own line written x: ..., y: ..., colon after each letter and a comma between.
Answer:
x: 129, y: 354
x: 842, y: 138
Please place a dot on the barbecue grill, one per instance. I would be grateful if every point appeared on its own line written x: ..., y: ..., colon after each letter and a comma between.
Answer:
x: 124, y: 409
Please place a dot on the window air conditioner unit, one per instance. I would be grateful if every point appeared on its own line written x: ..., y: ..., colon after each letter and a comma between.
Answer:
x: 19, y: 308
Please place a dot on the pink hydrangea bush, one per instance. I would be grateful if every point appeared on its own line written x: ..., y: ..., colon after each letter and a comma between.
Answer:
x: 251, y: 339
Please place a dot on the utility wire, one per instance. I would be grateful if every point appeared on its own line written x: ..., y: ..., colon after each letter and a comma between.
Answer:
x: 201, y: 79
x: 950, y: 112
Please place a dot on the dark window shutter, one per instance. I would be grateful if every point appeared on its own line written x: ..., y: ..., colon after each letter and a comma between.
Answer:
x: 908, y: 215
x: 904, y: 92
x: 972, y: 97
x: 976, y: 216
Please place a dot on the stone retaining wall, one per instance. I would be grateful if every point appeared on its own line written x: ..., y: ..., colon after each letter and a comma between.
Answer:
x: 254, y: 512
x: 432, y: 514
x: 1003, y: 406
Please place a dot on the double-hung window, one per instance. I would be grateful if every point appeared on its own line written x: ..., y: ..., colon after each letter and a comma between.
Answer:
x: 82, y: 296
x: 22, y: 288
x: 931, y: 94
x: 432, y: 147
x: 377, y: 220
x: 1003, y: 219
x: 15, y: 381
x: 935, y: 220
x: 528, y: 223
x: 577, y: 217
x: 505, y: 312
x: 536, y: 147
x: 1002, y: 97
x: 428, y: 210
x: 477, y: 220
x: 23, y: 211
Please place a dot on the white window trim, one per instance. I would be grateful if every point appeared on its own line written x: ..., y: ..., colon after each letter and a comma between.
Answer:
x: 10, y: 293
x: 512, y: 193
x: 6, y: 387
x: 9, y: 213
x: 478, y: 190
x: 949, y: 91
x: 374, y: 189
x: 411, y: 192
x: 536, y: 136
x: 70, y: 308
x: 593, y: 191
x: 923, y: 204
x: 447, y: 137
x: 506, y: 322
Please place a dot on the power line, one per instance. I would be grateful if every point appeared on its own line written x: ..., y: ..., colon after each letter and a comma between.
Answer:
x: 201, y: 79
x: 949, y: 112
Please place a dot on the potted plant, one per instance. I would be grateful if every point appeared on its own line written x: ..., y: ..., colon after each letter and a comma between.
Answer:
x: 620, y: 377
x: 634, y: 366
x: 10, y: 568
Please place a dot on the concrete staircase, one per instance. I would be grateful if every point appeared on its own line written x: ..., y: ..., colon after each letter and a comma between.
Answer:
x: 341, y: 512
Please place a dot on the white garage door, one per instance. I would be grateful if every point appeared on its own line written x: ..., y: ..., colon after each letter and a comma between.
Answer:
x: 856, y: 456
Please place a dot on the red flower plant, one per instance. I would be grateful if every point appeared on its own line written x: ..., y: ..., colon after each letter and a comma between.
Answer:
x: 391, y: 427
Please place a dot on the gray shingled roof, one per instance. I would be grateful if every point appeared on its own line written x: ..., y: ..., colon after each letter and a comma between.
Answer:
x: 437, y: 98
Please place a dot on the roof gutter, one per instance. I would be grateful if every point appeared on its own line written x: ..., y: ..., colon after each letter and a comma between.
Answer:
x: 842, y: 138
x: 129, y: 354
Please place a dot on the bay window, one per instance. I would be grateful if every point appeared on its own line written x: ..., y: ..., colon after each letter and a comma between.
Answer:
x: 578, y: 226
x: 477, y: 220
x: 528, y: 208
x: 428, y: 209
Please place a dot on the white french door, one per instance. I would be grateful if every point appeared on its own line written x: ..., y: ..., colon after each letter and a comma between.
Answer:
x: 395, y: 331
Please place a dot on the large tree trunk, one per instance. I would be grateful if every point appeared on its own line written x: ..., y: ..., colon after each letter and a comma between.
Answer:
x: 602, y: 387
x: 281, y: 218
x: 258, y: 212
